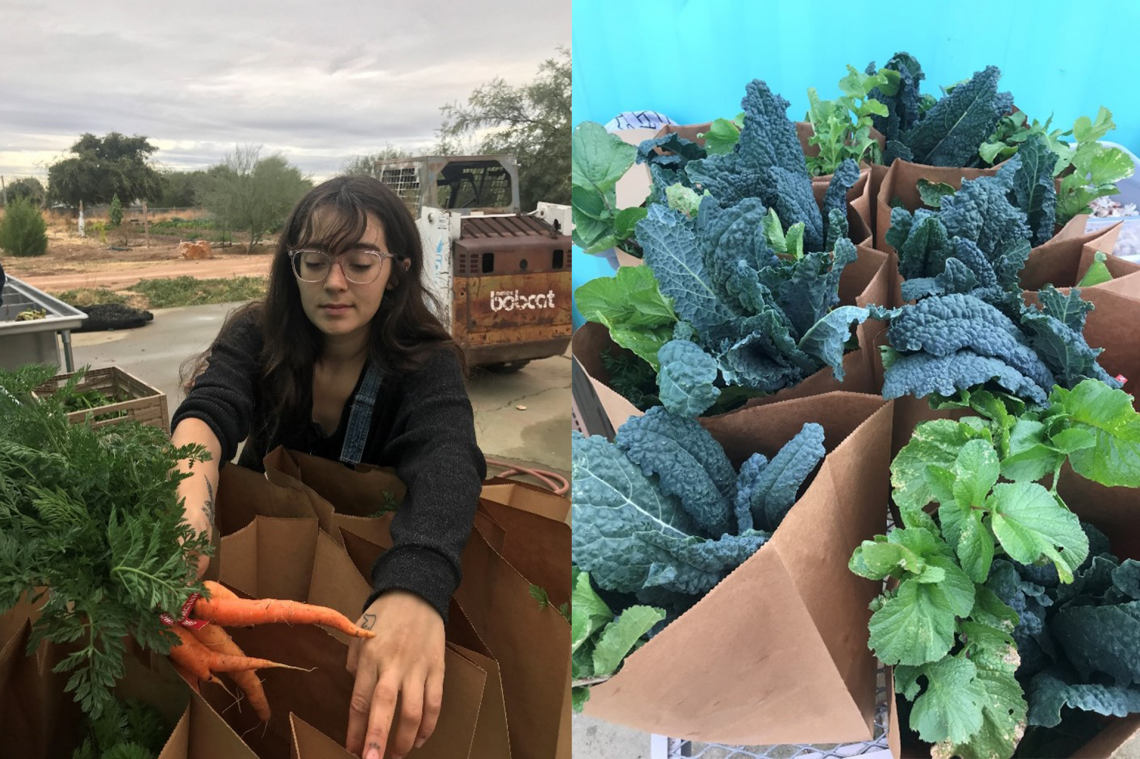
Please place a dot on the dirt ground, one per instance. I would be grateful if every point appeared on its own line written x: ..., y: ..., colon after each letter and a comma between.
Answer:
x: 73, y: 262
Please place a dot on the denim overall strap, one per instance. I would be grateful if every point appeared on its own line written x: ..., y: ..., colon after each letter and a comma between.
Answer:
x: 360, y: 418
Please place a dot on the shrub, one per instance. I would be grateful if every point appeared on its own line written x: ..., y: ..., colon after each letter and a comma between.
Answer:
x: 22, y: 230
x: 116, y: 212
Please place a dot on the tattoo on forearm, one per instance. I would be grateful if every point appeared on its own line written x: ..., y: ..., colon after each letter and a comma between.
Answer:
x: 369, y: 622
x: 210, y: 508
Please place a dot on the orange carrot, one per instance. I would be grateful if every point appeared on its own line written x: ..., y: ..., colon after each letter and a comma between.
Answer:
x: 218, y: 640
x: 245, y: 613
x: 201, y: 661
x: 191, y: 655
x: 217, y: 590
x: 188, y: 676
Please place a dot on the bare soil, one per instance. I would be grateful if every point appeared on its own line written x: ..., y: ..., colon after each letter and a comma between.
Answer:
x: 72, y: 262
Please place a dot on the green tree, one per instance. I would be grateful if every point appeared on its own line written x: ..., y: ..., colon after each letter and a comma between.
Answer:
x: 532, y: 122
x: 103, y: 167
x: 28, y: 187
x: 180, y: 189
x: 251, y: 193
x: 116, y: 212
x: 22, y: 230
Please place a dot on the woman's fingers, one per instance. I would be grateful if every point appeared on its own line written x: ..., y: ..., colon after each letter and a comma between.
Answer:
x: 359, y: 707
x: 380, y: 717
x: 411, y: 714
x: 433, y: 700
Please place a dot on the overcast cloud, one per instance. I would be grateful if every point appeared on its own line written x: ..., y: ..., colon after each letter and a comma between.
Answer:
x: 319, y: 81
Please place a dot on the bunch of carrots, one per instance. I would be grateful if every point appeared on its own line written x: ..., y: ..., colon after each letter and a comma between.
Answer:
x: 206, y: 649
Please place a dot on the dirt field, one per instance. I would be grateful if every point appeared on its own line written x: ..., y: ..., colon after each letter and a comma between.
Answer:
x: 73, y: 262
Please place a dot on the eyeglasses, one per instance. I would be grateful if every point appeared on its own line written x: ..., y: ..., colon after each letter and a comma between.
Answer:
x: 361, y: 267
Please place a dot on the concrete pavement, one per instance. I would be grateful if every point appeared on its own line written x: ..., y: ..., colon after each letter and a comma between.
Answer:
x: 539, y: 435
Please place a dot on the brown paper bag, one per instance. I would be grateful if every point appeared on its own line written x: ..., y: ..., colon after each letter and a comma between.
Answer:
x: 494, y: 614
x: 1063, y: 263
x: 864, y: 282
x: 536, y: 538
x: 777, y: 652
x: 38, y: 719
x: 293, y: 559
x: 343, y: 497
x: 244, y: 495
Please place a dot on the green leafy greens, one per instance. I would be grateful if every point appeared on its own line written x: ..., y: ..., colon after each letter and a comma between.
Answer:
x: 93, y: 516
x: 952, y: 618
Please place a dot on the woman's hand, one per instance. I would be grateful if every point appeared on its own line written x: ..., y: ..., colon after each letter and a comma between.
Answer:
x: 404, y: 660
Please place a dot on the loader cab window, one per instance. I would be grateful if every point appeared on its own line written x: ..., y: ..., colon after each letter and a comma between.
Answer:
x: 405, y: 182
x: 474, y: 184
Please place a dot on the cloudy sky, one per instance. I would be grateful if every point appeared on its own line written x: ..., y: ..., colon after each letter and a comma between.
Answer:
x: 319, y: 81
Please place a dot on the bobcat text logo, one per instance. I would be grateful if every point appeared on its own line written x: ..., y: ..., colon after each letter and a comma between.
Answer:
x: 509, y: 300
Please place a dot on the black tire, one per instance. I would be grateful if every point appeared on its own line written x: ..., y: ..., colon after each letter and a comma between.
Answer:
x: 506, y: 367
x: 113, y: 316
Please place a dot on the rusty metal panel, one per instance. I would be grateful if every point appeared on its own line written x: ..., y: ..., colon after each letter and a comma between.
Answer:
x: 507, y: 303
x: 475, y: 227
x: 524, y: 257
x: 519, y: 335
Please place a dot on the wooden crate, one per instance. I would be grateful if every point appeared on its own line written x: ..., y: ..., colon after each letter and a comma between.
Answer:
x: 146, y: 405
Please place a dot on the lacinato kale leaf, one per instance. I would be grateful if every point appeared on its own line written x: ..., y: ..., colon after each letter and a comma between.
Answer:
x: 688, y: 462
x: 1033, y: 187
x: 947, y: 343
x: 661, y: 512
x: 766, y: 322
x: 903, y: 106
x: 767, y: 163
x: 950, y: 133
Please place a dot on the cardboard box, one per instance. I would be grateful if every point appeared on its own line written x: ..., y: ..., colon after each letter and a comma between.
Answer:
x: 777, y: 652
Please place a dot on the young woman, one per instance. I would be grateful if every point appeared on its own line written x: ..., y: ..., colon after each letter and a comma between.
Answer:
x: 346, y: 360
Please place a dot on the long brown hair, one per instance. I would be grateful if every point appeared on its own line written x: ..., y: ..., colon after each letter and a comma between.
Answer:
x: 405, y: 330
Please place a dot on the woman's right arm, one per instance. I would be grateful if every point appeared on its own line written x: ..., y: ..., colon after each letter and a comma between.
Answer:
x: 217, y: 414
x: 199, y: 489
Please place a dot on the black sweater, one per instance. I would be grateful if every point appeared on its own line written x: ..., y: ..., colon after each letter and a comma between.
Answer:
x: 422, y: 425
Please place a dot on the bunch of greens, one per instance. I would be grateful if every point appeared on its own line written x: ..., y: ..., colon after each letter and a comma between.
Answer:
x: 947, y: 623
x: 948, y: 131
x: 92, y: 518
x: 599, y: 642
x: 841, y: 128
x: 125, y: 730
x: 1088, y: 170
x: 1077, y: 643
x: 970, y: 326
x: 661, y: 516
x: 746, y: 272
x: 600, y: 159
